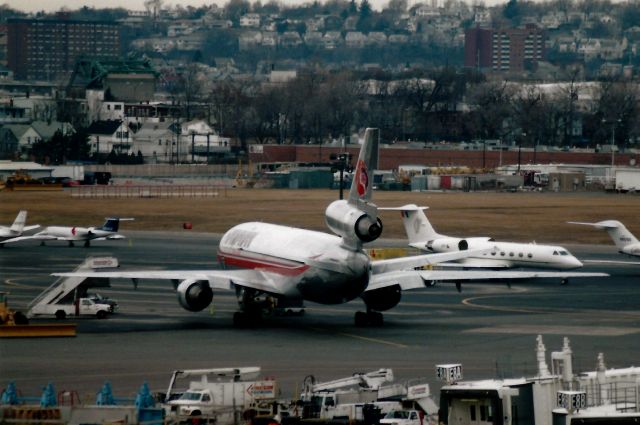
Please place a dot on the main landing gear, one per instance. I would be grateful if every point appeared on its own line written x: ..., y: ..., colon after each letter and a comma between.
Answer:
x: 369, y: 318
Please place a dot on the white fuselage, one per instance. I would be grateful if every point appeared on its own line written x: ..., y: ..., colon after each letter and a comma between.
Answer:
x: 507, y: 254
x: 305, y: 264
x: 74, y: 233
x: 631, y: 249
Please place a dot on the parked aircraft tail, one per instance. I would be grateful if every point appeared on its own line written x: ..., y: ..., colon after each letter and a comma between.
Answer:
x: 362, y: 183
x: 617, y: 231
x: 356, y: 218
x: 416, y: 223
x: 112, y: 224
x: 18, y: 223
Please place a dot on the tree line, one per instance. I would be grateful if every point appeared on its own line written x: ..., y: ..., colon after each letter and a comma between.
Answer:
x: 440, y: 104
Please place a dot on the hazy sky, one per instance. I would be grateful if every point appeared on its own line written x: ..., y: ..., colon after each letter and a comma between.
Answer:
x: 54, y: 5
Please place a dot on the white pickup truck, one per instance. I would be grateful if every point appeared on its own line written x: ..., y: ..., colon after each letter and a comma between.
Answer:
x: 402, y: 417
x: 82, y: 307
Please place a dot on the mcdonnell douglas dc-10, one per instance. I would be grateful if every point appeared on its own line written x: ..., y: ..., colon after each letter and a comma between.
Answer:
x: 295, y: 265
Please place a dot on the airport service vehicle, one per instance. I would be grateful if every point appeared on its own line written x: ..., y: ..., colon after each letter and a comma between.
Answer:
x: 625, y: 241
x: 99, y: 299
x: 17, y: 228
x: 402, y: 417
x: 423, y: 236
x: 351, y: 397
x: 108, y: 231
x: 262, y: 261
x: 219, y: 394
x: 81, y: 307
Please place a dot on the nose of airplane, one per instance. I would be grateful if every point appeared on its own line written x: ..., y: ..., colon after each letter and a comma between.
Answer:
x: 574, y: 263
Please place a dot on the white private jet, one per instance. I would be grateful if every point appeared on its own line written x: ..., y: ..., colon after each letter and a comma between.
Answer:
x: 108, y: 231
x: 625, y: 241
x: 423, y: 236
x: 17, y: 228
x: 290, y: 264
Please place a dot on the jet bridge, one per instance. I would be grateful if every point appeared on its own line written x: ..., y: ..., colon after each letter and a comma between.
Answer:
x: 64, y: 289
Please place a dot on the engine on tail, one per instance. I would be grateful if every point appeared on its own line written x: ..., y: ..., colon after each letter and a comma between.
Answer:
x: 346, y: 220
x: 382, y: 299
x: 194, y: 295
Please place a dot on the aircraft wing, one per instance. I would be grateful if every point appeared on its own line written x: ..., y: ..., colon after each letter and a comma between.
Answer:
x: 627, y: 263
x: 404, y: 263
x: 414, y: 279
x: 36, y: 237
x: 27, y: 228
x: 218, y: 279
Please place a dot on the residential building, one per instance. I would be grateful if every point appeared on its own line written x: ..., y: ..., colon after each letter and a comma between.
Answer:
x: 109, y: 135
x: 46, y: 49
x: 250, y: 20
x: 18, y: 139
x: 504, y: 49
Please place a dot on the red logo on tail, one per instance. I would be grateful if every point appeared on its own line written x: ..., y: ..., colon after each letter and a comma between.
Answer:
x: 362, y: 179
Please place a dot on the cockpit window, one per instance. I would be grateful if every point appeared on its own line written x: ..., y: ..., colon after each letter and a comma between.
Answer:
x: 564, y: 253
x: 555, y: 252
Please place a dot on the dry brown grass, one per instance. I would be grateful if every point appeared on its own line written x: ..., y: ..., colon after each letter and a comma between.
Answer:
x: 506, y: 216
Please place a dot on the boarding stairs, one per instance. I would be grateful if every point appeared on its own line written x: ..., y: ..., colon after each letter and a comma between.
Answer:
x: 64, y: 285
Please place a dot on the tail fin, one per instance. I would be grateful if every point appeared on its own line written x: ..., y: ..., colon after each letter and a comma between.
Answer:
x: 18, y: 223
x: 362, y: 184
x: 416, y: 223
x: 616, y: 230
x: 112, y: 224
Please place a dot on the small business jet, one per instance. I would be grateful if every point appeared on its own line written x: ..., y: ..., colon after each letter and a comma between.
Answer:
x: 271, y: 262
x: 423, y: 236
x: 108, y: 231
x: 625, y: 241
x: 17, y: 228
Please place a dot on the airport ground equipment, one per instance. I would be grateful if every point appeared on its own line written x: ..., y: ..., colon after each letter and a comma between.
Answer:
x: 352, y: 396
x: 64, y: 297
x: 14, y: 324
x: 222, y: 395
x: 554, y: 395
x: 403, y: 417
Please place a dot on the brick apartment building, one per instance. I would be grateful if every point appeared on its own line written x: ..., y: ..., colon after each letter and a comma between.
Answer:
x: 46, y: 49
x: 504, y: 49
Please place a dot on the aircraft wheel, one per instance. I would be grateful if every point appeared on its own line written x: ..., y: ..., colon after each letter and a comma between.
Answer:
x: 101, y: 314
x: 375, y: 318
x: 87, y: 244
x: 61, y: 315
x: 564, y: 281
x: 360, y: 319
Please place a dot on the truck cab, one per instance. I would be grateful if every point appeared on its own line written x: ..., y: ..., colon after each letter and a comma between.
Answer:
x: 402, y: 417
x: 193, y: 403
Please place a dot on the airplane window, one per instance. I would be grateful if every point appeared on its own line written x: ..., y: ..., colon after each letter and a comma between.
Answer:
x: 511, y: 254
x: 502, y: 254
x: 530, y: 255
x: 564, y: 253
x: 555, y: 252
x: 520, y: 255
x: 493, y: 253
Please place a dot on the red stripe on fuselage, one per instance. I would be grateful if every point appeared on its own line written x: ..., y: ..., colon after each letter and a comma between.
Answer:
x: 265, y: 263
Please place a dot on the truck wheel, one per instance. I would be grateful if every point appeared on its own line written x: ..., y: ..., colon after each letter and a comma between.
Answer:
x: 61, y: 315
x: 20, y: 319
x: 101, y: 314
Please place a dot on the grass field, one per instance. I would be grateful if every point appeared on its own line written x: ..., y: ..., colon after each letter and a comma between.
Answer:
x: 539, y: 217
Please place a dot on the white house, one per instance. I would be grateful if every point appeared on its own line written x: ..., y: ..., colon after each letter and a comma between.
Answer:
x: 250, y: 20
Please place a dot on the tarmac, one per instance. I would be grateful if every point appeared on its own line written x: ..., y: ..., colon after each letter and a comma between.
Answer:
x: 489, y: 328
